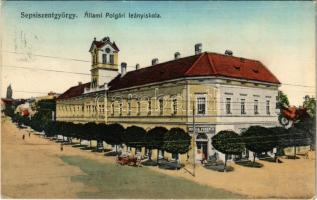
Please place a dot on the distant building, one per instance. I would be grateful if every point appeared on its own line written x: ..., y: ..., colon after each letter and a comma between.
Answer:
x: 9, y: 92
x: 50, y: 95
x: 219, y: 91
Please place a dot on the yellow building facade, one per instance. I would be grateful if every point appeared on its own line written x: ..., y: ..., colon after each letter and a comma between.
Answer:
x: 208, y: 91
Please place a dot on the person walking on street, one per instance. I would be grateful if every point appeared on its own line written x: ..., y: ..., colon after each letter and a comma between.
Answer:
x: 23, y: 137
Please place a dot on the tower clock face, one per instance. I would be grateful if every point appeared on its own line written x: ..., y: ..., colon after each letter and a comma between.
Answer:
x: 107, y: 50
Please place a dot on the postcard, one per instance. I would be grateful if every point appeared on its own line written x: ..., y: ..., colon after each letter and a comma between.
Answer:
x: 158, y: 100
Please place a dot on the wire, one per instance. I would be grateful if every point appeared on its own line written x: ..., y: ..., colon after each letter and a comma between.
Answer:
x: 51, y: 70
x: 79, y: 60
x: 45, y: 56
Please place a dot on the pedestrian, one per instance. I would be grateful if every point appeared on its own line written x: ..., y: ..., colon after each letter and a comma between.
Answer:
x: 138, y: 157
x: 62, y: 148
x: 29, y: 134
x: 23, y: 137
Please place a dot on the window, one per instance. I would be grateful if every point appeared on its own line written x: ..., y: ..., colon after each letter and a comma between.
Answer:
x: 95, y: 58
x: 111, y: 59
x: 267, y: 107
x: 129, y: 107
x: 104, y: 58
x: 228, y: 105
x: 277, y: 104
x: 174, y: 106
x: 161, y: 106
x: 256, y: 107
x: 112, y: 108
x: 149, y: 106
x: 120, y: 108
x: 139, y: 107
x: 243, y: 106
x: 201, y: 104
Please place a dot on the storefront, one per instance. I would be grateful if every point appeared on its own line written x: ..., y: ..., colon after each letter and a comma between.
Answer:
x: 203, y: 135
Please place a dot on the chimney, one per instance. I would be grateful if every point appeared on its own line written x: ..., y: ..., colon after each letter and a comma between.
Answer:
x: 94, y: 39
x: 229, y: 52
x: 177, y: 55
x: 198, y: 48
x: 137, y: 66
x: 155, y: 61
x: 79, y: 83
x: 123, y: 68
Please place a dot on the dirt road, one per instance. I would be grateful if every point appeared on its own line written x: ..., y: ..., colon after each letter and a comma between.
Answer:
x: 33, y: 168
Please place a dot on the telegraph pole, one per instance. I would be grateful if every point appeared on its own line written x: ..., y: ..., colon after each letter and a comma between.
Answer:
x: 194, y: 141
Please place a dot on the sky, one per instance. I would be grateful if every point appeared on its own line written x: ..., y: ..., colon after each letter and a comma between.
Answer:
x: 279, y: 34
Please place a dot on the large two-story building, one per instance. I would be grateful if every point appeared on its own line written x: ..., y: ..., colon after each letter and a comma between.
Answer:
x: 208, y: 91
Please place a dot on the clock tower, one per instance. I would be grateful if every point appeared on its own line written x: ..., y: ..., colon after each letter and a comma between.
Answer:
x: 104, y: 57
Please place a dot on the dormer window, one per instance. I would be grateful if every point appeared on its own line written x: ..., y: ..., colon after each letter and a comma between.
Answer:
x: 237, y: 68
x: 255, y: 70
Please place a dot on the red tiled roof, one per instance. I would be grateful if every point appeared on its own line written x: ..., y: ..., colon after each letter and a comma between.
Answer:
x: 74, y: 91
x: 204, y: 64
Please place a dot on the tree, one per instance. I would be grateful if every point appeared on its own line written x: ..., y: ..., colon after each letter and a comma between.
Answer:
x: 37, y: 124
x: 78, y: 131
x: 102, y: 134
x: 259, y: 139
x: 228, y: 142
x: 309, y: 126
x: 154, y: 139
x: 89, y: 130
x: 134, y: 136
x: 298, y: 137
x: 50, y: 129
x: 310, y: 104
x: 45, y: 109
x: 115, y: 132
x: 282, y: 99
x: 176, y: 141
x: 281, y: 134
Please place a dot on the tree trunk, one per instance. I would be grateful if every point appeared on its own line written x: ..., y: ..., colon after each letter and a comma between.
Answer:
x: 177, y: 161
x: 225, y: 165
x: 294, y: 152
x: 79, y: 141
x: 150, y: 154
x: 116, y: 148
x: 254, y: 155
x: 157, y: 156
x: 89, y: 143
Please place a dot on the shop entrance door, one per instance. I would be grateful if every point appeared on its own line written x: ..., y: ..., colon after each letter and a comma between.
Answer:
x: 202, y: 147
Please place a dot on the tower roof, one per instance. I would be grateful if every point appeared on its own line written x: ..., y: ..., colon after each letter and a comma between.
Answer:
x: 103, y: 42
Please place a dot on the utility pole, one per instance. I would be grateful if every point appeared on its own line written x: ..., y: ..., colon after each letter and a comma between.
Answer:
x: 194, y: 141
